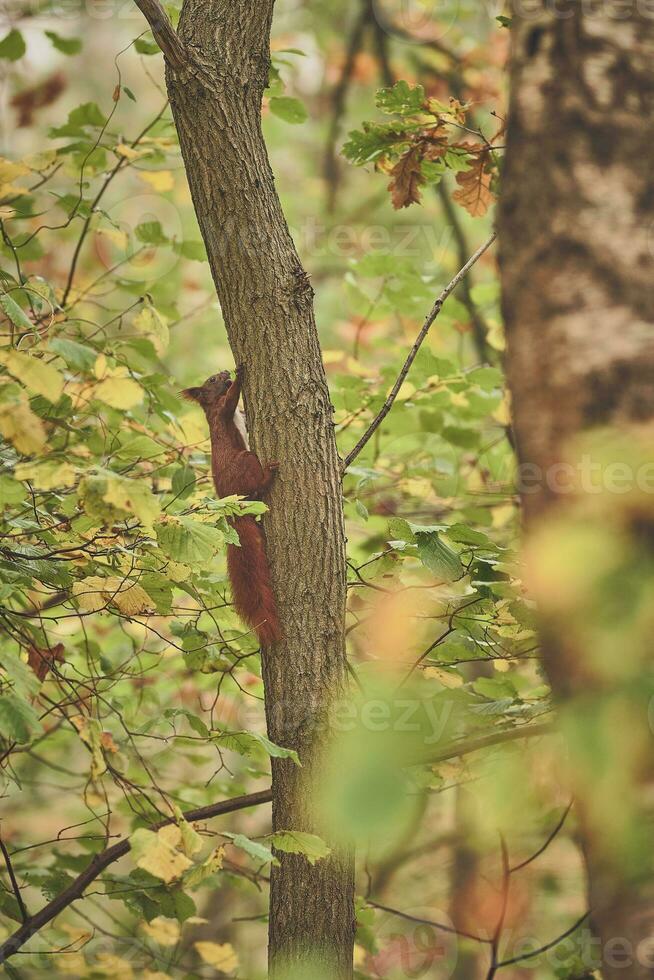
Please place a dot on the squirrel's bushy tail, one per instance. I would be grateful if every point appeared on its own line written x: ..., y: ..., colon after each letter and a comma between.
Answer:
x: 250, y: 577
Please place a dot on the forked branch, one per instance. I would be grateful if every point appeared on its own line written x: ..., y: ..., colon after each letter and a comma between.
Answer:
x: 433, y: 313
x: 164, y: 33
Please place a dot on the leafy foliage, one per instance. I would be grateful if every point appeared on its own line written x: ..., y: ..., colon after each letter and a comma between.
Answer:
x: 421, y: 147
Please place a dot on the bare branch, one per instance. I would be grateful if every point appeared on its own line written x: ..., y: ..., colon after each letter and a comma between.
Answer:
x: 164, y: 33
x: 465, y: 746
x: 547, y: 946
x: 101, y: 861
x: 435, y: 310
x: 14, y: 884
x: 548, y: 841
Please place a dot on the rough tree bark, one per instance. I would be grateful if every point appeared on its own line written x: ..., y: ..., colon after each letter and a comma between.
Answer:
x: 575, y: 223
x: 215, y: 78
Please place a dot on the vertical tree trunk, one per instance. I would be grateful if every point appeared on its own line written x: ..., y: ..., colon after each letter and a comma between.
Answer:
x: 215, y: 84
x: 576, y: 215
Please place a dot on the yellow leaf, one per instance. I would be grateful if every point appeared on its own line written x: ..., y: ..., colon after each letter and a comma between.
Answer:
x: 502, y: 413
x: 35, y: 374
x: 360, y: 956
x: 501, y: 665
x: 91, y: 734
x: 100, y: 366
x: 165, y: 932
x: 503, y: 514
x: 21, y: 426
x: 495, y: 336
x: 151, y: 324
x: 131, y: 152
x: 459, y: 399
x: 113, y: 966
x: 332, y: 356
x: 160, y: 853
x: 178, y: 572
x: 71, y: 965
x: 96, y: 593
x: 446, y: 678
x: 406, y: 391
x: 209, y: 867
x: 221, y: 956
x: 192, y: 429
x: 159, y: 180
x: 123, y: 393
x: 8, y: 170
x: 38, y: 162
x: 114, y: 235
x: 48, y: 475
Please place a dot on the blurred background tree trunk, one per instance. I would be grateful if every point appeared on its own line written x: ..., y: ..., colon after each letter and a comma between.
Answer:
x: 575, y: 223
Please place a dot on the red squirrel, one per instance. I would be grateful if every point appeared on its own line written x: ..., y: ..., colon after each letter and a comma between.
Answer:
x: 236, y: 470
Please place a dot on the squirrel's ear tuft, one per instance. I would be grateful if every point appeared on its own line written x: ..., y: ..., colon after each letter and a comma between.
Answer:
x: 191, y: 394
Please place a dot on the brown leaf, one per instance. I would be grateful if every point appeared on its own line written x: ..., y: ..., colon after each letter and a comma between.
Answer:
x: 474, y: 192
x: 407, y: 178
x: 42, y: 661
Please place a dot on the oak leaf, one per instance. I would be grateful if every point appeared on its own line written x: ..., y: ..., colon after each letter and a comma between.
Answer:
x: 407, y: 180
x: 474, y: 192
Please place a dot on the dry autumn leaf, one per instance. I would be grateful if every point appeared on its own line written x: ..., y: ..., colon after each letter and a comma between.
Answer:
x: 474, y: 192
x: 219, y: 955
x: 407, y: 179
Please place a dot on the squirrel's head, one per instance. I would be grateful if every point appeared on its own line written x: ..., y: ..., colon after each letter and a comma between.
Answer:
x: 208, y: 394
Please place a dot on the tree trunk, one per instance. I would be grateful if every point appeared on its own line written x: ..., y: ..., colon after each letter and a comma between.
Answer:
x: 215, y: 88
x: 575, y: 224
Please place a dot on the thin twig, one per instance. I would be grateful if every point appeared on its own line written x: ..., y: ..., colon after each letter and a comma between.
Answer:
x: 548, y: 841
x: 499, y: 928
x: 14, y: 884
x: 428, y: 922
x: 547, y: 946
x: 433, y: 314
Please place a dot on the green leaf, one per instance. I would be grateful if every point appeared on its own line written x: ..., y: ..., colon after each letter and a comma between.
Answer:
x: 18, y: 719
x: 246, y: 743
x: 12, y: 47
x: 77, y: 356
x: 183, y: 482
x: 402, y: 98
x: 36, y: 374
x: 87, y: 114
x: 373, y: 141
x: 289, y: 109
x: 151, y: 233
x: 128, y: 92
x: 143, y: 46
x: 67, y: 45
x: 109, y: 497
x: 494, y: 688
x: 22, y: 678
x: 17, y: 316
x: 296, y: 842
x: 256, y: 850
x: 11, y: 491
x: 191, y: 250
x: 438, y: 558
x: 188, y: 541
